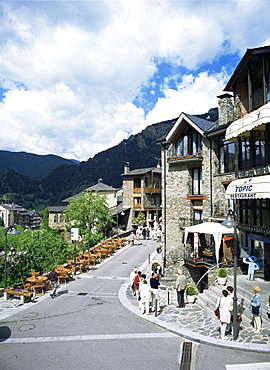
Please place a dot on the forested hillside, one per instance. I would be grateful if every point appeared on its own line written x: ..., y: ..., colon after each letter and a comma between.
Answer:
x: 139, y: 150
x: 33, y: 165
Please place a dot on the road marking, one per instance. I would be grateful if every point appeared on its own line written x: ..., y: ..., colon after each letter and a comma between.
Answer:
x: 89, y: 337
x: 103, y: 277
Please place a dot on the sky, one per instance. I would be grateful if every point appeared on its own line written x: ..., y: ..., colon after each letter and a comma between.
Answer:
x: 77, y: 78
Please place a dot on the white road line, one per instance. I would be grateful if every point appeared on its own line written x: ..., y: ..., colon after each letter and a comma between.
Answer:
x: 89, y: 337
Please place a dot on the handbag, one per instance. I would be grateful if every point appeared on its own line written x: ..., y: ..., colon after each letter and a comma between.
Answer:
x: 255, y: 310
x: 217, y: 313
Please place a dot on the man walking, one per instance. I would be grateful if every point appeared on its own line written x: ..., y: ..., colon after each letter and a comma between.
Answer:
x: 154, y: 284
x: 180, y: 285
x: 53, y: 277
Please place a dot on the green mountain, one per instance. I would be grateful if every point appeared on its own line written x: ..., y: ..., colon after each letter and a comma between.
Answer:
x: 140, y: 150
x: 33, y: 165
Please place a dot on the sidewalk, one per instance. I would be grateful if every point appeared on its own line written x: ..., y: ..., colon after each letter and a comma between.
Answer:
x: 192, y: 322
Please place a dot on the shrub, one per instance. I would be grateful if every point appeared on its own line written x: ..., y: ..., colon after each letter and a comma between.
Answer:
x: 191, y: 290
x: 221, y: 272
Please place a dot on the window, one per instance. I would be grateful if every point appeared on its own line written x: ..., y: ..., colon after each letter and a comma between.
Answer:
x: 255, y: 212
x: 137, y: 201
x: 189, y: 143
x: 137, y: 183
x: 253, y: 150
x: 226, y: 155
x: 196, y: 181
x: 197, y: 216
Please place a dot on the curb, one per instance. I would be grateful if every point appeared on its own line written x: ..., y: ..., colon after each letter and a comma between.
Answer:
x: 188, y: 334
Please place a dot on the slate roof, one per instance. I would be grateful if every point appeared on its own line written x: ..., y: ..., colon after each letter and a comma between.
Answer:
x: 203, y: 124
x: 142, y: 171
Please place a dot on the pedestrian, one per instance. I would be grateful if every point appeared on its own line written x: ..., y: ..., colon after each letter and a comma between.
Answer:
x: 256, y: 310
x: 53, y: 277
x: 144, y: 233
x: 180, y: 285
x: 137, y: 280
x: 225, y: 307
x: 231, y: 295
x: 132, y: 238
x: 158, y: 234
x: 145, y: 294
x: 147, y: 233
x: 154, y: 284
x: 131, y: 279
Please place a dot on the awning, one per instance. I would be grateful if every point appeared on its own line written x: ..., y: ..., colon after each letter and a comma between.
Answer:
x: 213, y: 228
x: 251, y: 188
x: 250, y: 121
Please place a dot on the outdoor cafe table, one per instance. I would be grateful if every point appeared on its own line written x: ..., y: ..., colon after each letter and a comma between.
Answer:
x: 33, y: 279
x: 64, y: 270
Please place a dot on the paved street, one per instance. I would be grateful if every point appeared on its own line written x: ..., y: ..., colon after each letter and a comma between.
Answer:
x: 94, y: 323
x: 86, y: 326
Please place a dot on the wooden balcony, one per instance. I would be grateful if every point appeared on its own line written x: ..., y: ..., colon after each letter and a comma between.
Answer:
x: 152, y: 190
x: 137, y: 190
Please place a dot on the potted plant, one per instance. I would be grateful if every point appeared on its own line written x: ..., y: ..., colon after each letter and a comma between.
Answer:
x: 207, y: 253
x: 221, y: 276
x: 190, y: 294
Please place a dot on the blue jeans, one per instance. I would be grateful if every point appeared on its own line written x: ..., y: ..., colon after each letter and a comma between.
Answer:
x: 180, y: 298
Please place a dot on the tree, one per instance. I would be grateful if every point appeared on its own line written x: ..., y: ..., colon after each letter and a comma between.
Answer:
x: 140, y: 219
x: 90, y: 213
x: 32, y: 250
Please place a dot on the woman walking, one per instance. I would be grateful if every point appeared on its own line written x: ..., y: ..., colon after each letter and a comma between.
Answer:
x: 225, y: 306
x: 256, y: 310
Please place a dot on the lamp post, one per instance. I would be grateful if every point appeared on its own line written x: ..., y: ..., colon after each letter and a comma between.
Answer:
x: 229, y: 222
x: 121, y: 214
x: 13, y: 232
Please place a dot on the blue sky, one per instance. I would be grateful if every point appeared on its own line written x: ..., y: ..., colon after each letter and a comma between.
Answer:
x: 79, y: 77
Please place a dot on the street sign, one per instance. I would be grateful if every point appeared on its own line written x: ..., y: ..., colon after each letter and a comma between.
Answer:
x: 74, y: 233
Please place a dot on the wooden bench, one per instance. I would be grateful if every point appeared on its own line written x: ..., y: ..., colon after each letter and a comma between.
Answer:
x: 14, y: 292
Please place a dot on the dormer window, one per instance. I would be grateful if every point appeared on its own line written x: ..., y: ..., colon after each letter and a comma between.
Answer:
x: 189, y: 143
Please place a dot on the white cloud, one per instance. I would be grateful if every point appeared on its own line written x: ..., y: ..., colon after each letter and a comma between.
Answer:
x: 73, y: 69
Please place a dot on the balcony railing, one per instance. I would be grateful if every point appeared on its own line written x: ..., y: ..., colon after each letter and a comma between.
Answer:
x: 152, y: 190
x: 137, y: 190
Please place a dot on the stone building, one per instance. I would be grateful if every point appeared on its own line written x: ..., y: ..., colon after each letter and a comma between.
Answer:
x: 250, y: 192
x: 197, y: 166
x: 142, y: 192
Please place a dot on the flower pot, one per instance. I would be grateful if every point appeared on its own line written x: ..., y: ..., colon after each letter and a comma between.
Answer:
x: 190, y: 298
x: 221, y: 280
x: 207, y: 254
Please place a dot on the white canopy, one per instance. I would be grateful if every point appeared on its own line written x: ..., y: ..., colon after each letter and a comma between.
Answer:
x: 249, y: 188
x: 252, y: 120
x: 213, y: 228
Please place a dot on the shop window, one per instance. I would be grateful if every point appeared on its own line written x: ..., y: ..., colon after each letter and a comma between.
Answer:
x: 255, y: 212
x: 226, y: 155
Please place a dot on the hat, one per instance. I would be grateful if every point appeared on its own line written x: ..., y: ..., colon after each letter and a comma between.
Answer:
x: 135, y: 269
x: 179, y: 271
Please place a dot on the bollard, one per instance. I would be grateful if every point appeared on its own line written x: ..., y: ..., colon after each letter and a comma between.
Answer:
x: 168, y: 297
x: 155, y: 307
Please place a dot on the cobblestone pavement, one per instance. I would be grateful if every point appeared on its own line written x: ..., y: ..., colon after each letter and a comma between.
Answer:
x: 194, y: 319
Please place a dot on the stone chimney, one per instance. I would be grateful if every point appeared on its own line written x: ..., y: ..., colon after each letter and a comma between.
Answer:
x: 226, y: 109
x: 126, y: 168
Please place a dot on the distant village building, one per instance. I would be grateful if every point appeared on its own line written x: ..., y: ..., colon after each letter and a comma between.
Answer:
x: 15, y: 214
x: 56, y: 213
x: 142, y: 193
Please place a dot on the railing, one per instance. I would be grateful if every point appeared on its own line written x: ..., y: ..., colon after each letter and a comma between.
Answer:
x: 152, y: 190
x: 137, y: 190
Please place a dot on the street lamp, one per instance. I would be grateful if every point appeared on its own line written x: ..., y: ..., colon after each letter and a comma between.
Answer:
x: 117, y: 215
x: 229, y: 222
x: 13, y: 232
